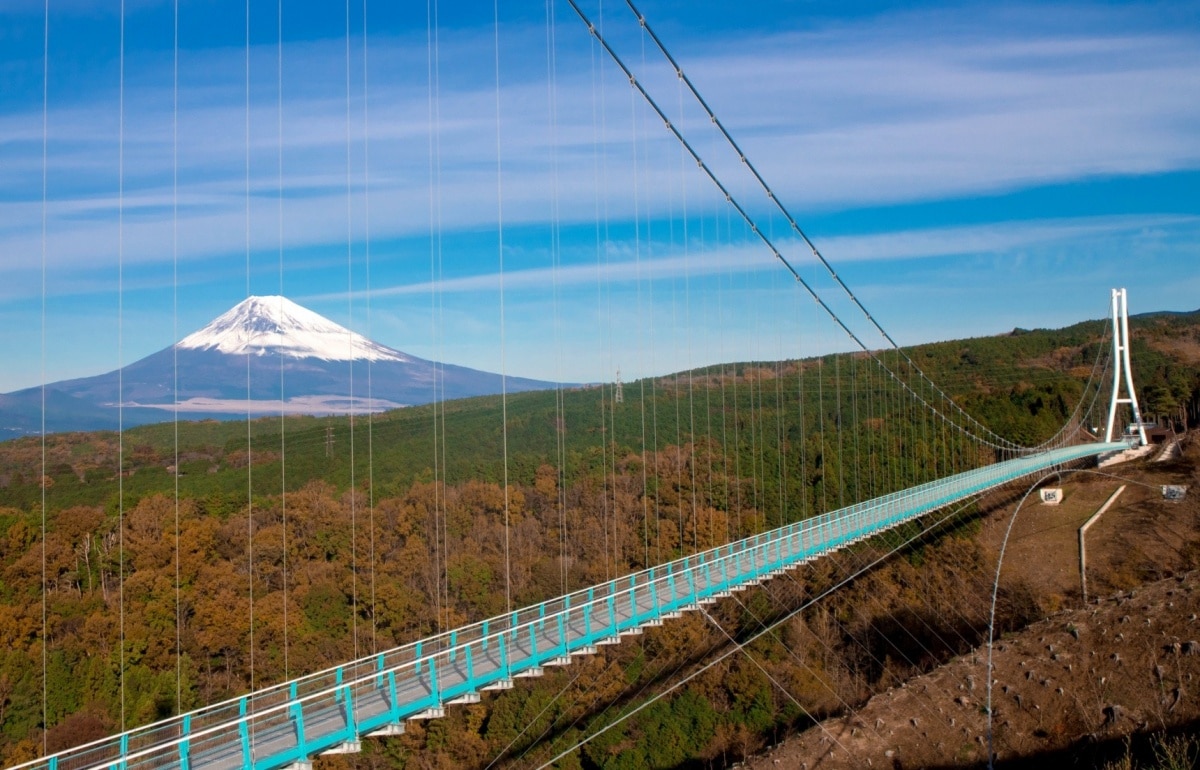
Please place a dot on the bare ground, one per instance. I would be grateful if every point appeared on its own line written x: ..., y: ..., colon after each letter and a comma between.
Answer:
x: 1068, y: 689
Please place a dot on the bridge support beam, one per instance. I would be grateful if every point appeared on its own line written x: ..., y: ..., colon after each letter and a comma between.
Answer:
x: 349, y: 747
x: 499, y: 684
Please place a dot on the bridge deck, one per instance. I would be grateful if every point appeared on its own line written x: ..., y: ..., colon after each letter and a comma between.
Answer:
x: 330, y: 710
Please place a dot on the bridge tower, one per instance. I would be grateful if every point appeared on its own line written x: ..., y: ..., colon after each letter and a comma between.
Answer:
x: 1121, y: 367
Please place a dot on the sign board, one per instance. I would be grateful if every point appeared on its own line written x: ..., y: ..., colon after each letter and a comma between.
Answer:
x: 1051, y: 495
x: 1173, y: 492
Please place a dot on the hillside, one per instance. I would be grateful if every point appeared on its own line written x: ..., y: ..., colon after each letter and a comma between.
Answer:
x: 382, y: 529
x: 264, y: 356
x: 1021, y: 385
x: 1089, y: 683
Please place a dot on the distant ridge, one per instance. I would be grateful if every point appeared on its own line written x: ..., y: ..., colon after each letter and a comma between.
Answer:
x: 266, y: 355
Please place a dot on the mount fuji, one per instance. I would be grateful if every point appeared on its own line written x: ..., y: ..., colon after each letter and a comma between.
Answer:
x: 265, y: 356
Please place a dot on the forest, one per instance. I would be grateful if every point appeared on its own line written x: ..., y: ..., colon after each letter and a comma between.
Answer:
x: 150, y: 573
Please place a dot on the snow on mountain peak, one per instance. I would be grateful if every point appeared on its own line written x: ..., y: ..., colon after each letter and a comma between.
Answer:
x: 276, y: 325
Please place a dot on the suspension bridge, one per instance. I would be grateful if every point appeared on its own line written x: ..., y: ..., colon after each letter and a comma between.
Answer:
x: 289, y: 723
x: 331, y: 711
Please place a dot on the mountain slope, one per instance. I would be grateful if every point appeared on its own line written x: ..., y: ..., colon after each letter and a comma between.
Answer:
x: 266, y: 355
x: 266, y: 326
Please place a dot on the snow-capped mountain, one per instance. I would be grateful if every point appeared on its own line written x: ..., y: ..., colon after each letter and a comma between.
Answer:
x: 277, y: 326
x: 266, y: 355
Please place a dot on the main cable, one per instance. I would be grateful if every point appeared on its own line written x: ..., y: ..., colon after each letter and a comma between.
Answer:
x: 795, y: 227
x: 1002, y: 443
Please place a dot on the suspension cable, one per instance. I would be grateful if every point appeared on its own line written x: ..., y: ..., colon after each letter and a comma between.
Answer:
x: 282, y: 394
x: 174, y: 348
x: 795, y: 227
x: 503, y: 363
x: 999, y: 443
x: 370, y: 383
x: 120, y: 362
x: 45, y: 206
x: 350, y: 367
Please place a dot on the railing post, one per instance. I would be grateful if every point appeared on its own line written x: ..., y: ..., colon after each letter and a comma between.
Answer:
x: 587, y: 616
x: 243, y: 733
x: 185, y: 758
x: 296, y: 711
x: 351, y: 716
x: 393, y: 698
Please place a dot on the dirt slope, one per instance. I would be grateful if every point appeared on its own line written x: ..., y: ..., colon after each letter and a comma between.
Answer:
x: 1066, y: 690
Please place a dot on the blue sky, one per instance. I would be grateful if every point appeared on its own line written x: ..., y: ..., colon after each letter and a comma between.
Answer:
x: 967, y: 167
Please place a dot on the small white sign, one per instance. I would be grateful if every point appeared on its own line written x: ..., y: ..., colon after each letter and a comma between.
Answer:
x: 1174, y: 492
x: 1051, y: 495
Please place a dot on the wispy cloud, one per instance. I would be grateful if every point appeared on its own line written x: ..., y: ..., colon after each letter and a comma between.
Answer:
x: 926, y: 243
x: 839, y: 118
x: 842, y: 116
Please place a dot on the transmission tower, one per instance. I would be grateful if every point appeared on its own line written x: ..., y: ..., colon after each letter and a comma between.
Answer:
x: 619, y: 390
x: 1121, y: 368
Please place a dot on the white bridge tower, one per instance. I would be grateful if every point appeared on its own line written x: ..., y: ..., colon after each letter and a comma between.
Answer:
x: 1121, y: 367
